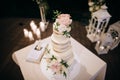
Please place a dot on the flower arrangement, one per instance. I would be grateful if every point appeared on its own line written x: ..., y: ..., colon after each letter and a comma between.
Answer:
x: 58, y: 66
x: 95, y: 5
x: 63, y: 24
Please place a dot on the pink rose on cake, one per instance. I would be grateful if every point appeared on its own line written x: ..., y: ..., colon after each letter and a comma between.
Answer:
x: 56, y: 67
x: 64, y: 19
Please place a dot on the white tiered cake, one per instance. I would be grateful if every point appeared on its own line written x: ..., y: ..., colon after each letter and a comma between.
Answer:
x: 58, y: 62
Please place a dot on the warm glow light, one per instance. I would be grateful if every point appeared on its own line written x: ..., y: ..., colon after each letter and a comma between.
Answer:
x: 33, y: 26
x: 25, y: 32
x: 102, y: 47
x: 30, y: 35
x: 98, y: 42
x: 116, y: 37
x: 98, y: 30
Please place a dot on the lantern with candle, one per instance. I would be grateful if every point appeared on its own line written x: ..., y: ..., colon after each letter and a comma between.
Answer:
x: 98, y: 23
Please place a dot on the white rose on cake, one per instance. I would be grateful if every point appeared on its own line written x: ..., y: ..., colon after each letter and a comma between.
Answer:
x: 62, y: 24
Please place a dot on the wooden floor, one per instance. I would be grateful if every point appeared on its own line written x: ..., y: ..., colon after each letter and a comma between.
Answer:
x: 12, y: 39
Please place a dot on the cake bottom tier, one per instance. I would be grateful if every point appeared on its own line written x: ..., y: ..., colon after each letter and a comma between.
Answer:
x: 73, y: 71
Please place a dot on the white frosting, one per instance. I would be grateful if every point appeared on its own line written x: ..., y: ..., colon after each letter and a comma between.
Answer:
x: 59, y: 39
x: 67, y: 55
x: 60, y: 49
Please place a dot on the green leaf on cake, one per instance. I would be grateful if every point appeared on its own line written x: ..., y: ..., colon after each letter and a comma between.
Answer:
x: 55, y: 14
x: 64, y: 63
x: 48, y: 50
x: 56, y: 26
x: 66, y: 33
x: 53, y: 57
x: 64, y: 74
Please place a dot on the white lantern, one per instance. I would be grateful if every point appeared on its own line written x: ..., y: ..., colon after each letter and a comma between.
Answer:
x: 98, y: 23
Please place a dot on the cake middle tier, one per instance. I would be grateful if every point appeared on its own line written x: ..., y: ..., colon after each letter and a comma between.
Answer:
x: 60, y: 43
x: 67, y: 55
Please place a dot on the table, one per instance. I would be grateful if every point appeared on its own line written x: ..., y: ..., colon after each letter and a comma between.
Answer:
x: 93, y: 68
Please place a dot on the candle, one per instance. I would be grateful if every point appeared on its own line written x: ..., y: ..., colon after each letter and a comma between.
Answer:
x: 38, y: 33
x: 30, y: 35
x: 42, y: 26
x: 33, y: 26
x: 25, y: 32
x: 102, y: 47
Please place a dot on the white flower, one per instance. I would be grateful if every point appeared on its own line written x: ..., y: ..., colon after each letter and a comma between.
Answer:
x: 97, y: 7
x: 62, y: 28
x: 91, y: 9
x: 91, y: 3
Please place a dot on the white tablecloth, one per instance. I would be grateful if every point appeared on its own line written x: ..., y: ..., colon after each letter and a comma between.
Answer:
x: 92, y: 67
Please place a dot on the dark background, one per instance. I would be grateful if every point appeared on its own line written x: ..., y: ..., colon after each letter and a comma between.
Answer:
x: 77, y: 8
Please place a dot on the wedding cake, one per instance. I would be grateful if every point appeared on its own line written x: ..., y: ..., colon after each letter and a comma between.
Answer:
x: 58, y: 62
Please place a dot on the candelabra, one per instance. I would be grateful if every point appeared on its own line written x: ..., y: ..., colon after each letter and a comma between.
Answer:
x: 43, y: 6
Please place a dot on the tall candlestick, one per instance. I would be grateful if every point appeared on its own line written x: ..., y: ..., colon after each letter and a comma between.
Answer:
x: 42, y: 12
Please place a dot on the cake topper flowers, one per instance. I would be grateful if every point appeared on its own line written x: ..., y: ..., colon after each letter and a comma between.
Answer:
x: 64, y: 19
x: 63, y: 24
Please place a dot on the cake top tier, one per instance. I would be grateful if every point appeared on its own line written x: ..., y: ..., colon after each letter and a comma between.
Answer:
x: 64, y: 19
x: 62, y: 24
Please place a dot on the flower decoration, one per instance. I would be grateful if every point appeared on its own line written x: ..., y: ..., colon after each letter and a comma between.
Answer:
x: 58, y: 66
x: 95, y: 5
x: 63, y: 24
x: 55, y: 14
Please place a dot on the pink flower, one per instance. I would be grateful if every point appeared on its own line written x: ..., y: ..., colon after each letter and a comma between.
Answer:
x: 56, y: 67
x: 64, y: 19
